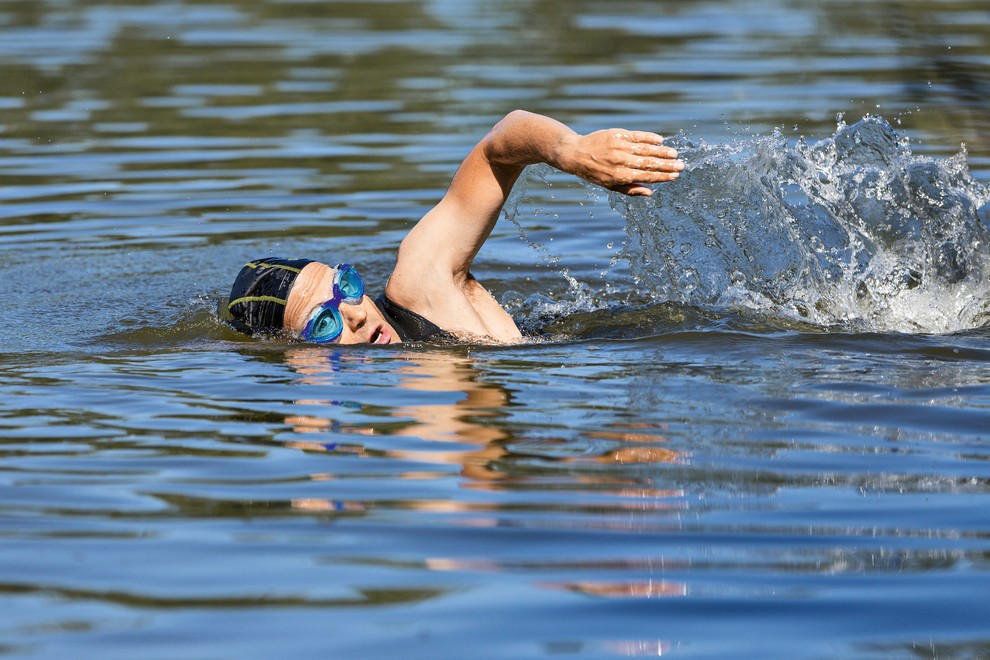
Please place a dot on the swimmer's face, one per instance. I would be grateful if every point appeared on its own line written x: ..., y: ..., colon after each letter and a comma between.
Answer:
x: 363, y: 323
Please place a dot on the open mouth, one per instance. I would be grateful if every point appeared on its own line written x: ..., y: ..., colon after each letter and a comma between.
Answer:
x: 378, y: 336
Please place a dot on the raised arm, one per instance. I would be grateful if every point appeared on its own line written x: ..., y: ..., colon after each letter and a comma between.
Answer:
x: 432, y: 274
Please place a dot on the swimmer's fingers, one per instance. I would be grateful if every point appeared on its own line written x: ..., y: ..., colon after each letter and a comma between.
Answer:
x: 649, y: 144
x: 657, y: 151
x: 644, y: 137
x: 633, y: 190
x: 654, y: 164
x: 630, y: 181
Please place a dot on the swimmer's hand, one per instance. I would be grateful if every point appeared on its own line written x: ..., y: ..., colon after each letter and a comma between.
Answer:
x: 620, y: 160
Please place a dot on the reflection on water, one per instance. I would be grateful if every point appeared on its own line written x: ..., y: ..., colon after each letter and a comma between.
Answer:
x: 710, y: 464
x: 471, y: 420
x: 709, y: 469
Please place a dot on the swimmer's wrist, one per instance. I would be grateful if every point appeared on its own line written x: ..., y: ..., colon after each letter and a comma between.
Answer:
x: 565, y: 149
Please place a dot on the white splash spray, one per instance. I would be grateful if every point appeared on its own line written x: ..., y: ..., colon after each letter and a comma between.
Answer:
x: 854, y: 231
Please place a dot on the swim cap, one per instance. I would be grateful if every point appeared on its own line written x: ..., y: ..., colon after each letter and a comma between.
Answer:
x: 257, y: 299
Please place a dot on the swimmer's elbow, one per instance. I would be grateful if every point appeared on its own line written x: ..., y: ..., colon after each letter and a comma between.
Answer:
x: 523, y: 138
x: 499, y: 147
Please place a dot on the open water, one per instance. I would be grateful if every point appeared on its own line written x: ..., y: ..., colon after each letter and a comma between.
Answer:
x: 755, y: 419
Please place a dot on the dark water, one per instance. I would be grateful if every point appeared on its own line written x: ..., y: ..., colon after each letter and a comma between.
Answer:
x: 755, y: 424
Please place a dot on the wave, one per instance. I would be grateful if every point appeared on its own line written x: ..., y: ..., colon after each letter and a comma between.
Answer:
x: 853, y: 231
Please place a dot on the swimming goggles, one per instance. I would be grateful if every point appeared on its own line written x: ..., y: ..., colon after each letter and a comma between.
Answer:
x: 326, y: 324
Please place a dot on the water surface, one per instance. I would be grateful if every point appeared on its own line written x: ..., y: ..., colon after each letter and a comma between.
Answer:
x: 755, y: 419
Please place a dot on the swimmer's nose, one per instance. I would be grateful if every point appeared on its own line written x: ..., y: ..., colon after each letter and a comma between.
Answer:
x: 354, y: 314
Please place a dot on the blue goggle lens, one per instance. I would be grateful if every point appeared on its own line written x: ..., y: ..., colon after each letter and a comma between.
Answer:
x: 350, y: 283
x: 326, y: 327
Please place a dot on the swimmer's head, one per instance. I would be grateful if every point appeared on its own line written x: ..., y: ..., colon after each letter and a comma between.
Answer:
x: 308, y: 300
x: 260, y: 293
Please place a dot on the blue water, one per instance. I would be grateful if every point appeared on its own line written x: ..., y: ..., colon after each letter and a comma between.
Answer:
x: 753, y: 420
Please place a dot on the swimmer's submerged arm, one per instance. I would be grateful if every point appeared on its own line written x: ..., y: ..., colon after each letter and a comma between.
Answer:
x: 437, y: 254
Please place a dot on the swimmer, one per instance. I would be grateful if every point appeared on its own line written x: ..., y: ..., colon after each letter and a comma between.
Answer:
x: 431, y: 293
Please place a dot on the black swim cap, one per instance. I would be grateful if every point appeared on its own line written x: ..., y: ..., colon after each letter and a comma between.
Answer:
x: 257, y: 299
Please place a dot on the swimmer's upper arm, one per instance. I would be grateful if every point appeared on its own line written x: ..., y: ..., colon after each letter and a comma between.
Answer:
x: 450, y: 235
x: 432, y: 270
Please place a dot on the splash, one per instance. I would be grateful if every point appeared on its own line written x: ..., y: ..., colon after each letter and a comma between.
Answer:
x: 540, y: 306
x: 854, y: 231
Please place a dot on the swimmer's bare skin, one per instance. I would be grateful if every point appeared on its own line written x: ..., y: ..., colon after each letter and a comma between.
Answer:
x: 432, y: 271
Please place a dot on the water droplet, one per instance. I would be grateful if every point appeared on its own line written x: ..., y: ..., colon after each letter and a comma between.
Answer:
x: 689, y: 280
